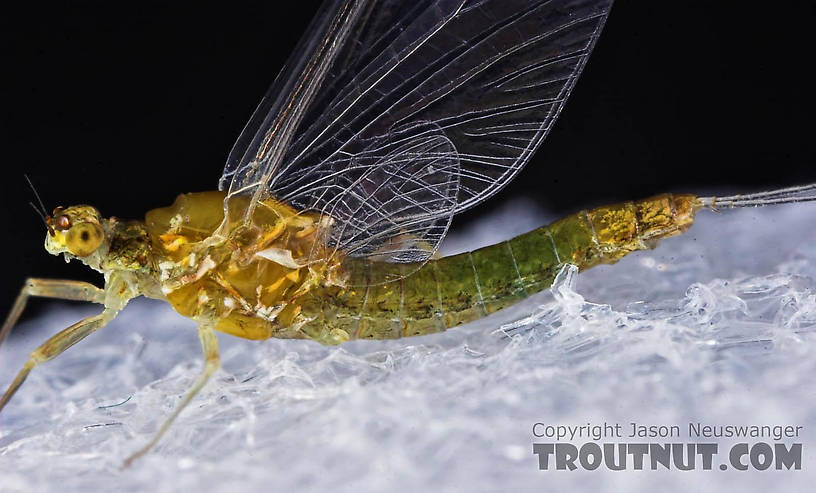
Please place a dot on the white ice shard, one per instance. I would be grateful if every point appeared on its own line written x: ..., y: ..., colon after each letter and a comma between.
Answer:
x: 715, y: 326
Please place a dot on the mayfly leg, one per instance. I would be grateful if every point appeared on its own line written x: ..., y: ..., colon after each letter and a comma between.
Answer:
x: 50, y: 288
x: 70, y: 290
x: 56, y: 345
x: 209, y: 344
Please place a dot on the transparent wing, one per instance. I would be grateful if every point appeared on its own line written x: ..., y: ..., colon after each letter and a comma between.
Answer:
x: 476, y: 84
x: 393, y: 200
x: 255, y: 156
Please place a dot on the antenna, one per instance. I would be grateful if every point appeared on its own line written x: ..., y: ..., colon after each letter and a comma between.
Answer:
x: 44, y: 210
x: 44, y: 218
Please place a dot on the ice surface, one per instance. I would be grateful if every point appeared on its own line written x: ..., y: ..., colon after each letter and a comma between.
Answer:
x: 714, y: 326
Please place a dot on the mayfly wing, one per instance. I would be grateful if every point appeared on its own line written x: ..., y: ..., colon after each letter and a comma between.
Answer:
x: 493, y: 76
x: 400, y: 188
x: 477, y: 84
x: 394, y: 199
x: 257, y: 154
x: 357, y: 31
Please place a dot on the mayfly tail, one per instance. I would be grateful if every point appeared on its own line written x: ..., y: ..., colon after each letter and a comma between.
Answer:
x: 803, y: 193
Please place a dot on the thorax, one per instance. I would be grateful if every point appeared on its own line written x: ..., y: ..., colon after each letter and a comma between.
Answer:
x: 250, y: 282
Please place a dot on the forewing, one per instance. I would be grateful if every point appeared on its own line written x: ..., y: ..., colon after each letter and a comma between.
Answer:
x: 480, y: 82
x: 493, y: 77
x: 257, y: 154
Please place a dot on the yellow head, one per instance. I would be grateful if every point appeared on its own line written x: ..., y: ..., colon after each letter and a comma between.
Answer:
x: 75, y: 230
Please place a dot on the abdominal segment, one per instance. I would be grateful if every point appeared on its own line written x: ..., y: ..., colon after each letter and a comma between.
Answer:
x: 454, y: 290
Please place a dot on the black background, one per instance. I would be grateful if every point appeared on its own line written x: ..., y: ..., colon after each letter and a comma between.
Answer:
x: 125, y: 107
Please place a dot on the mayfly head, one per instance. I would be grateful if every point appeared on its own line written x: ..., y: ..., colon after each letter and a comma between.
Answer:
x: 75, y: 230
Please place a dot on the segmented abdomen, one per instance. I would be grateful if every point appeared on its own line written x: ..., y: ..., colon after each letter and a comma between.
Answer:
x: 461, y: 288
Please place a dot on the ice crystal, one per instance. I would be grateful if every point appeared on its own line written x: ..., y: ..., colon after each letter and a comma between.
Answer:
x: 716, y: 326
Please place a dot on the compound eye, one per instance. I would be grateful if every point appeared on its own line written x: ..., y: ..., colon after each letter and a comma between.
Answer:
x: 84, y: 238
x: 62, y: 222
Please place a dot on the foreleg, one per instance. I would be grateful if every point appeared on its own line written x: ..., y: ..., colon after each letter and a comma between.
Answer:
x: 50, y: 288
x: 57, y: 344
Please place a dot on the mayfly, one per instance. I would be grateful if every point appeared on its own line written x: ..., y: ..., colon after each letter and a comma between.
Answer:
x: 390, y: 118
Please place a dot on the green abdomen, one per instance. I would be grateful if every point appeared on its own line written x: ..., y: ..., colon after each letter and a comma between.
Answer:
x: 453, y: 290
